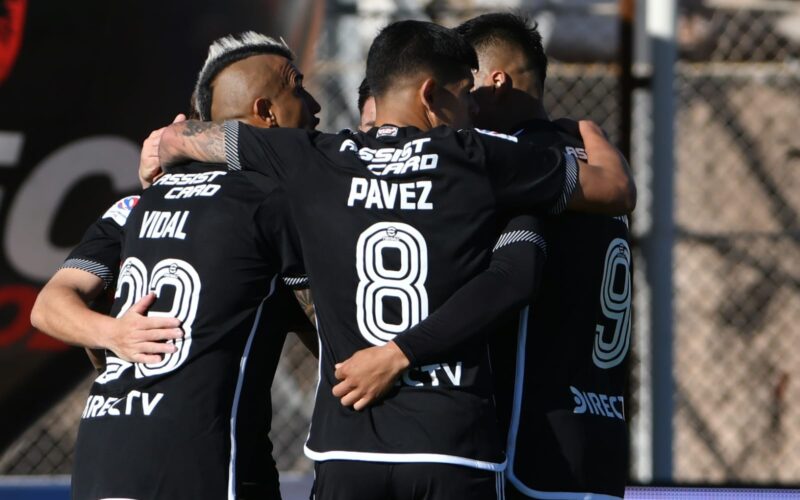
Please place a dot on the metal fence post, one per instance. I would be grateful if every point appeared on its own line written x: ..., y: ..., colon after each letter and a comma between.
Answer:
x: 658, y: 242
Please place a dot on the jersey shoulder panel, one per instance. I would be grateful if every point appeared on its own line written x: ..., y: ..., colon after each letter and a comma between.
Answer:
x: 100, y: 247
x: 270, y: 151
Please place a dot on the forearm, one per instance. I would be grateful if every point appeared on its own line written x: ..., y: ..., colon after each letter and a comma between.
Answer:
x: 64, y: 314
x: 306, y: 302
x: 192, y: 140
x: 507, y: 285
x: 307, y: 335
x: 466, y: 316
x: 606, y: 184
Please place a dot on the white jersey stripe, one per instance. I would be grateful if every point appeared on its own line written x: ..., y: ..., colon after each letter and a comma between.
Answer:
x: 570, y: 183
x: 231, y: 141
x: 499, y: 135
x: 519, y: 377
x: 319, y: 367
x: 388, y: 457
x: 500, y: 484
x: 296, y: 282
x: 99, y: 270
x: 521, y: 236
x: 237, y: 394
x: 399, y: 458
x: 558, y: 495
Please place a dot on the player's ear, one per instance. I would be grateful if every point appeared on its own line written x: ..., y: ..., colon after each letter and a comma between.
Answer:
x: 262, y: 109
x: 501, y: 83
x: 426, y: 93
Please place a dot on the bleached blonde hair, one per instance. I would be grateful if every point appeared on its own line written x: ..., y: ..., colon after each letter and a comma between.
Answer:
x: 225, y: 51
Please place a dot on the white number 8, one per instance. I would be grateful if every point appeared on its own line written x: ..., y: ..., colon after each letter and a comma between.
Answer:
x: 376, y: 283
x: 616, y: 307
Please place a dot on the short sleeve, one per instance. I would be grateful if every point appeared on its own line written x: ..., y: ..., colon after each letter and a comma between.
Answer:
x: 522, y: 229
x: 268, y: 151
x: 528, y: 177
x: 100, y: 249
x: 277, y: 233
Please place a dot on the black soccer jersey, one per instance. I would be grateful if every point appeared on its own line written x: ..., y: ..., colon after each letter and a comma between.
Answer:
x: 392, y: 222
x: 100, y: 248
x: 565, y: 416
x: 209, y: 243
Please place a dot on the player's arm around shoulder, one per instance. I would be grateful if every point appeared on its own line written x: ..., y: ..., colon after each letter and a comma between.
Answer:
x: 149, y: 165
x: 191, y: 140
x: 239, y: 145
x: 605, y: 184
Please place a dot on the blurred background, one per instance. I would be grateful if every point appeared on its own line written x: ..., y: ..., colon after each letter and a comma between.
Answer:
x: 702, y: 95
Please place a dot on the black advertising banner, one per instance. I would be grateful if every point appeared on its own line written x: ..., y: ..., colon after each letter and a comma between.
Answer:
x: 81, y: 85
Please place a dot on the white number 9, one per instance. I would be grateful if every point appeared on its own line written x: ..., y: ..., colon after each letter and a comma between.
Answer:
x: 616, y: 305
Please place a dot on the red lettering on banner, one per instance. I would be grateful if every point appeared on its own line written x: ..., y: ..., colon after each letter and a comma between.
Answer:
x: 12, y: 22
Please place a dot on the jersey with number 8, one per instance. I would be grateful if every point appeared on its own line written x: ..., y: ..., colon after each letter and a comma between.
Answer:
x: 376, y: 283
x: 391, y: 225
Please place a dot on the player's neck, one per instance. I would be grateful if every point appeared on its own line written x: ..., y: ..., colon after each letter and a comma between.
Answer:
x: 531, y: 110
x: 394, y: 110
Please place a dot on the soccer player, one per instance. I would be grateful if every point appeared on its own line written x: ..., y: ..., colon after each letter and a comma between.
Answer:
x: 565, y: 419
x: 189, y: 419
x: 391, y: 223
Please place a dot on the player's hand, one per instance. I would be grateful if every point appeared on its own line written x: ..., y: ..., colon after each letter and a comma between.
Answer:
x: 142, y: 339
x: 368, y: 374
x: 149, y: 164
x: 589, y: 129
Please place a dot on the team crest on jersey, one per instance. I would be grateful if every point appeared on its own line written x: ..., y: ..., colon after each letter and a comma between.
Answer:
x: 497, y: 134
x: 386, y: 131
x: 120, y: 210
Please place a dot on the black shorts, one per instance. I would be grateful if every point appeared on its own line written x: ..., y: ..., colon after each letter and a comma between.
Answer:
x: 353, y: 480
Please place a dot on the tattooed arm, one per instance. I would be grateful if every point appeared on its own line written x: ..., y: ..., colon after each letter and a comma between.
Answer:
x: 191, y: 140
x: 306, y: 304
x: 308, y: 338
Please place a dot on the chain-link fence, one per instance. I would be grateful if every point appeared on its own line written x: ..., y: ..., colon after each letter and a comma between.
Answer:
x: 737, y: 254
x: 47, y: 446
x: 737, y: 263
x: 737, y: 251
x: 292, y: 402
